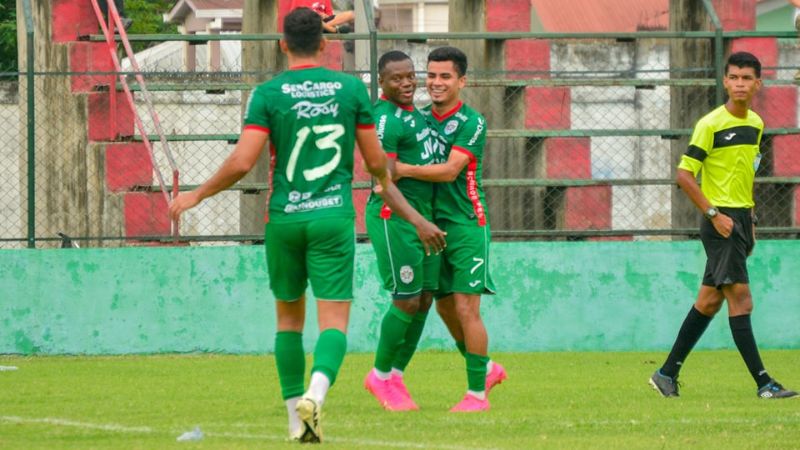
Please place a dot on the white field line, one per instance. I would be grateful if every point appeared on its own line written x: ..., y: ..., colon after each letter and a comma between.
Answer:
x: 271, y: 437
x: 793, y: 419
x: 71, y: 423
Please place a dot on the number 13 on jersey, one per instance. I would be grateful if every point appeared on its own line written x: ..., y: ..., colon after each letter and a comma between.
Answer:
x: 326, y: 139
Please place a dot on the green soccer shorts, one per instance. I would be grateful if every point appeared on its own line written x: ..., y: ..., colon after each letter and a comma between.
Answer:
x: 321, y: 251
x: 404, y: 267
x: 465, y: 260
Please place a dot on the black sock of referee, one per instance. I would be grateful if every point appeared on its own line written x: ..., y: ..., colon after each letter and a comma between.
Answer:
x: 693, y: 327
x: 742, y: 333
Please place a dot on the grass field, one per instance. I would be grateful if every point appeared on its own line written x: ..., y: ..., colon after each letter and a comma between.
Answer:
x: 551, y: 400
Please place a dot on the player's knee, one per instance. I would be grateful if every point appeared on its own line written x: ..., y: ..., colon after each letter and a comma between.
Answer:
x: 742, y: 305
x: 290, y: 323
x: 425, y: 303
x: 468, y: 312
x: 709, y: 308
x: 409, y: 306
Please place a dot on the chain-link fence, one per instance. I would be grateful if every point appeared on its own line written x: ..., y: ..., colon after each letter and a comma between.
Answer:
x: 584, y: 136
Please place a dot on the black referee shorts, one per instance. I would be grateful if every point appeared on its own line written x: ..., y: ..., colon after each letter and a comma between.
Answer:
x: 727, y: 257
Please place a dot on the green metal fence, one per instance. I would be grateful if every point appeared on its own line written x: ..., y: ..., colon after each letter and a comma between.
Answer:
x: 583, y: 142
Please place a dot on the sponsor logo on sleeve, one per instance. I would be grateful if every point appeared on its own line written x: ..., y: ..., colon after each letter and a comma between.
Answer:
x: 478, y: 132
x: 381, y: 129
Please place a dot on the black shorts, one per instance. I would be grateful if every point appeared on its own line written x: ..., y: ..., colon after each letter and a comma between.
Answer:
x: 727, y: 257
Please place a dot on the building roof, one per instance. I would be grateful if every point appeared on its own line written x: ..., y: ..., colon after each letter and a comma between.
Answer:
x: 206, y: 9
x: 596, y: 16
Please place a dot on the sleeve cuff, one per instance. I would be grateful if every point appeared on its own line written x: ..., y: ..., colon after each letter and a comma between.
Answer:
x: 257, y: 128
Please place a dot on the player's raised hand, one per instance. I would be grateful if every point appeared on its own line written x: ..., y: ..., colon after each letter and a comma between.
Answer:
x: 181, y: 203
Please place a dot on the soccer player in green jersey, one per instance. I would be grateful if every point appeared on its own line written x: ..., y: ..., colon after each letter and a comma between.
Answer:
x: 311, y: 116
x: 725, y: 149
x: 407, y: 272
x: 460, y: 210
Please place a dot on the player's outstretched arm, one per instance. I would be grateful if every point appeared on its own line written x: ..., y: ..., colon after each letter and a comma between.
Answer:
x: 236, y: 166
x: 375, y: 161
x: 687, y: 182
x: 435, y: 173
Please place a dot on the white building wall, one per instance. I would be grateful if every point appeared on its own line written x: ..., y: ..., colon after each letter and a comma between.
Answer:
x: 12, y: 157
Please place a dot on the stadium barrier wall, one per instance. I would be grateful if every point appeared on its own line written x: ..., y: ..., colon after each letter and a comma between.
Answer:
x: 553, y: 296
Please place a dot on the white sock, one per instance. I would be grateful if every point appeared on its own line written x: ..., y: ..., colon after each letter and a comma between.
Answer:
x: 318, y: 387
x: 489, y: 366
x: 479, y: 395
x: 397, y: 372
x: 382, y: 375
x: 294, y: 421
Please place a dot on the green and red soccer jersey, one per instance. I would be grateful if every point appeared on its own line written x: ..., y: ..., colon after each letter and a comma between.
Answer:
x: 462, y: 129
x: 311, y: 114
x: 405, y: 136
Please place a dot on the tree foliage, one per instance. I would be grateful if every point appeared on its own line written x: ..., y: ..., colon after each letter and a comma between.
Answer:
x: 147, y: 18
x: 8, y: 36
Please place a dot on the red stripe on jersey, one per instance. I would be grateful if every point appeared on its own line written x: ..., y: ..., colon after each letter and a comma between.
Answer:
x: 365, y: 126
x: 448, y: 113
x: 271, y: 176
x: 472, y: 190
x: 257, y: 128
x: 405, y: 107
x: 464, y: 151
x: 391, y: 155
x: 304, y: 66
x: 386, y: 212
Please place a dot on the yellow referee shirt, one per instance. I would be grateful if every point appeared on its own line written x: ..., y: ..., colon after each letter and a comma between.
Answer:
x: 726, y: 149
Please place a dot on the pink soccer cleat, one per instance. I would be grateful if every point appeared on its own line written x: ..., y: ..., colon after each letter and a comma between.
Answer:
x: 397, y: 383
x: 390, y: 398
x: 495, y: 377
x: 470, y: 403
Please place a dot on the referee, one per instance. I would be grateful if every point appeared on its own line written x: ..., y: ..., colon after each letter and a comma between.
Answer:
x: 725, y: 150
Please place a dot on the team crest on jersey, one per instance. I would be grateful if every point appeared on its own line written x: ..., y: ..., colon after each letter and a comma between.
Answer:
x: 450, y: 127
x: 406, y: 274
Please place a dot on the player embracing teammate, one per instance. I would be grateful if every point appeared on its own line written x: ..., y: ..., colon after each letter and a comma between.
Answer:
x: 452, y: 159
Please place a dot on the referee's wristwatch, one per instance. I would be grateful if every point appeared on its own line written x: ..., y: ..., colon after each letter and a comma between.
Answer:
x: 711, y: 213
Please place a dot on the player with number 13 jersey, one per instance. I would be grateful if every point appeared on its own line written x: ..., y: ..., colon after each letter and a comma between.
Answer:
x: 310, y: 150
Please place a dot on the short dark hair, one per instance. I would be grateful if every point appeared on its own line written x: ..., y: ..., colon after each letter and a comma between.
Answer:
x: 389, y: 57
x: 744, y: 59
x: 456, y: 56
x: 302, y: 31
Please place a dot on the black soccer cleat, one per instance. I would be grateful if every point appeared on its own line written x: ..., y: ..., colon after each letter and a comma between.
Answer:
x: 666, y: 386
x: 773, y: 389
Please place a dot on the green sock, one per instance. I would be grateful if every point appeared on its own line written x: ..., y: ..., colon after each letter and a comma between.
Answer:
x: 329, y: 353
x: 291, y: 361
x: 409, y: 346
x: 462, y: 347
x: 393, y: 331
x: 476, y: 372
